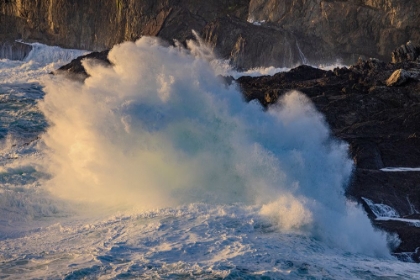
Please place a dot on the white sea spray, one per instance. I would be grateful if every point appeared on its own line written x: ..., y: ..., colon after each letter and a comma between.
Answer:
x: 282, y: 227
x: 159, y: 129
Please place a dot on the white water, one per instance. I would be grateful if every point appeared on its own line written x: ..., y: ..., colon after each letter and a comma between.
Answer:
x: 154, y: 168
x: 400, y: 169
x: 40, y: 61
x: 413, y: 222
x: 381, y: 210
x: 385, y: 212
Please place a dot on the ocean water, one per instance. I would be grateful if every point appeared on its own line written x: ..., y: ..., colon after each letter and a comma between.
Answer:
x: 155, y: 168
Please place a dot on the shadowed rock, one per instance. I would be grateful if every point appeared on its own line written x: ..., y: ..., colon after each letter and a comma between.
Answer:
x: 14, y: 50
x: 407, y: 52
x: 75, y: 68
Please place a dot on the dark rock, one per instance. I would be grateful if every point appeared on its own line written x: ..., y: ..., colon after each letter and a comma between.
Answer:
x: 75, y: 67
x: 407, y: 52
x: 357, y: 105
x: 407, y: 233
x: 380, y: 123
x: 14, y: 50
x: 396, y: 189
x: 346, y: 29
x: 249, y: 46
x: 366, y: 153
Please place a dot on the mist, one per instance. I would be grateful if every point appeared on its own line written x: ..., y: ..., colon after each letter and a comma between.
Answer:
x: 160, y: 129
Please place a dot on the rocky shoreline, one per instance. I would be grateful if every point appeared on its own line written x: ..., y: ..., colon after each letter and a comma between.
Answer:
x: 376, y: 109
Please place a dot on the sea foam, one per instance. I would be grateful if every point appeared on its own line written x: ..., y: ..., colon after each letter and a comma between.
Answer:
x: 159, y: 128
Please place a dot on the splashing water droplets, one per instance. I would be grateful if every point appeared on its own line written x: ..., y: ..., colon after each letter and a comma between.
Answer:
x: 159, y: 129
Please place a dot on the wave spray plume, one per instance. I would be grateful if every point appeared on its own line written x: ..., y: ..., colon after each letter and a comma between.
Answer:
x: 159, y: 129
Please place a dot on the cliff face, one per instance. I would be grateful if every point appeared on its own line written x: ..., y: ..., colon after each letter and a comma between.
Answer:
x: 345, y: 28
x: 100, y: 24
x: 249, y: 32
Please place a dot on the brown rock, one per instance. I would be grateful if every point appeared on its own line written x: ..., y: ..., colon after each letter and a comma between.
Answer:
x: 407, y: 52
x: 401, y: 76
x: 283, y: 32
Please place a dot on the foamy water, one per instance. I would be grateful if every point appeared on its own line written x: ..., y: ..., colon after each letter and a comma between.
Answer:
x: 155, y: 168
x: 401, y: 169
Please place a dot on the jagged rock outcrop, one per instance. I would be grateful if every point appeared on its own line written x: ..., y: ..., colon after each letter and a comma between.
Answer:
x: 249, y: 32
x: 75, y: 67
x: 381, y: 123
x: 407, y: 52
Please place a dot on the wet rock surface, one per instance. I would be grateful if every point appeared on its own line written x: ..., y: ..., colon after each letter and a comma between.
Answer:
x: 380, y: 122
